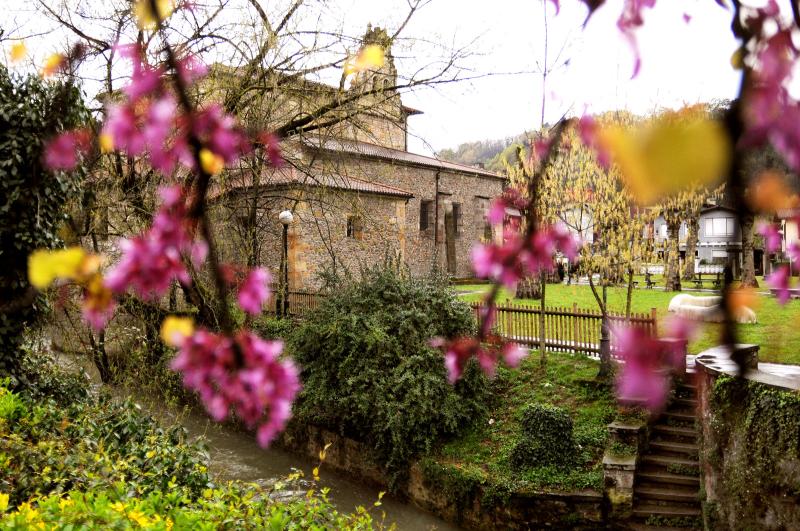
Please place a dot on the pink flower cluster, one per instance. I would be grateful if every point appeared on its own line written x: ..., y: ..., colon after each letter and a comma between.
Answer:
x: 254, y: 291
x: 772, y: 237
x: 771, y: 113
x: 644, y: 378
x: 628, y: 22
x: 153, y: 259
x: 458, y: 352
x: 779, y: 280
x: 149, y: 121
x: 243, y: 374
x: 62, y: 152
x: 519, y: 257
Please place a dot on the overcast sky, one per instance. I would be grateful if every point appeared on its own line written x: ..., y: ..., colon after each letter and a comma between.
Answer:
x: 683, y: 63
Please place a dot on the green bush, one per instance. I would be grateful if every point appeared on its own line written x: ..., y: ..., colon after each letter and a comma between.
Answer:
x: 272, y: 328
x: 94, y: 442
x: 369, y: 373
x: 11, y: 405
x: 32, y: 199
x: 235, y: 506
x: 546, y: 440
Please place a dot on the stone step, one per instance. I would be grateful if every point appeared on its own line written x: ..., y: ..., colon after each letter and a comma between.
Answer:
x: 667, y: 511
x: 681, y: 431
x: 682, y: 416
x: 665, y: 460
x: 672, y: 447
x: 667, y: 494
x: 663, y: 477
x: 636, y: 526
x: 690, y: 403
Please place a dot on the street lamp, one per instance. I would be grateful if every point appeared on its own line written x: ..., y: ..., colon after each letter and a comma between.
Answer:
x: 282, y: 310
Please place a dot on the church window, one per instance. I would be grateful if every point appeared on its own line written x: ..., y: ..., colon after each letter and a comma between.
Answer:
x: 425, y: 214
x: 354, y: 229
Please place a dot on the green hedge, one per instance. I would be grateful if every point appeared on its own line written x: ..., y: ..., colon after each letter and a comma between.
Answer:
x: 369, y: 373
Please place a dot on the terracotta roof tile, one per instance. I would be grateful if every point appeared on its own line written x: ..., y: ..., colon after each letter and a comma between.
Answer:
x: 366, y: 149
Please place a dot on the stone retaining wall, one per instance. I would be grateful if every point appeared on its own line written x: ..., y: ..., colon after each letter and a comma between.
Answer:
x: 472, y: 510
x: 750, y: 443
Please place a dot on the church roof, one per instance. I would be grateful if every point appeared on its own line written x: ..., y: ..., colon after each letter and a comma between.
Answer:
x: 340, y: 182
x: 365, y: 149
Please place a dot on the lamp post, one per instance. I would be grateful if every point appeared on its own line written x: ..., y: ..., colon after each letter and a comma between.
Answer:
x: 286, y: 219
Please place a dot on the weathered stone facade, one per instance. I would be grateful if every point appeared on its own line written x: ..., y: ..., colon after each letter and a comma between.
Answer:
x: 358, y: 195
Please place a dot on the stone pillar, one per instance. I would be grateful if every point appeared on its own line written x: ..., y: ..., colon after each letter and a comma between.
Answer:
x: 626, y: 442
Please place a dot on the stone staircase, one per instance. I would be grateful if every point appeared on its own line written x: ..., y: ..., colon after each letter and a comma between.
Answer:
x: 667, y: 484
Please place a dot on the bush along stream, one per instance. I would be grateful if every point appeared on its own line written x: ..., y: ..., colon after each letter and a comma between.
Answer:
x: 72, y: 459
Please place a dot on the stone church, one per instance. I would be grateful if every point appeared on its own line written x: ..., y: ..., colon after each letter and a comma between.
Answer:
x: 359, y: 196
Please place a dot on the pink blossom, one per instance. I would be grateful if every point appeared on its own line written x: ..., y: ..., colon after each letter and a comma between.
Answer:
x: 779, y: 281
x: 497, y: 211
x: 793, y: 251
x: 97, y: 316
x: 219, y: 133
x: 153, y: 259
x: 513, y: 354
x: 271, y: 144
x: 629, y: 21
x: 144, y: 81
x: 588, y: 132
x: 458, y: 352
x: 62, y: 152
x: 772, y: 237
x: 643, y: 378
x: 254, y: 291
x: 120, y: 126
x: 190, y: 68
x: 517, y: 258
x: 243, y: 375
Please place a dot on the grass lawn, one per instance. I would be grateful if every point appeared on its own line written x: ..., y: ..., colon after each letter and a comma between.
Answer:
x: 567, y: 381
x: 777, y: 330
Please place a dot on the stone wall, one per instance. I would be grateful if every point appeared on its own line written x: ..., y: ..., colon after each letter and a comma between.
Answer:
x: 470, y: 192
x: 471, y: 509
x: 750, y: 444
x: 318, y: 236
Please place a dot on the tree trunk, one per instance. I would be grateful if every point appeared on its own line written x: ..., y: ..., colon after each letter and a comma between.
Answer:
x: 746, y: 222
x: 542, y: 334
x: 673, y: 276
x: 605, y: 370
x: 692, y: 228
x: 629, y: 294
x: 529, y: 288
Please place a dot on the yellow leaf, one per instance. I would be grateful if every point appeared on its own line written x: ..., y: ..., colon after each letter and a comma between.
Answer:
x: 370, y: 57
x: 106, y: 143
x: 211, y: 162
x: 146, y: 18
x: 44, y: 266
x: 175, y: 329
x: 3, y: 501
x: 673, y: 154
x: 18, y: 52
x: 52, y: 64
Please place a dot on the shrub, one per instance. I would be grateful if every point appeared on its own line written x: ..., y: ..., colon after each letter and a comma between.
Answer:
x: 234, y: 507
x: 547, y: 438
x: 370, y: 374
x: 95, y: 442
x: 32, y: 199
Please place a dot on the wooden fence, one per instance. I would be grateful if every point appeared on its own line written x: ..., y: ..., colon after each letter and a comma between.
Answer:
x: 300, y: 302
x: 565, y: 329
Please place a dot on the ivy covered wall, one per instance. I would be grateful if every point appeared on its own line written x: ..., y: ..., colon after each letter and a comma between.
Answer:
x: 750, y: 454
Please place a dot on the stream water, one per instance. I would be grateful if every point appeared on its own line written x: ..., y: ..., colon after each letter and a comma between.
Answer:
x: 236, y: 456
